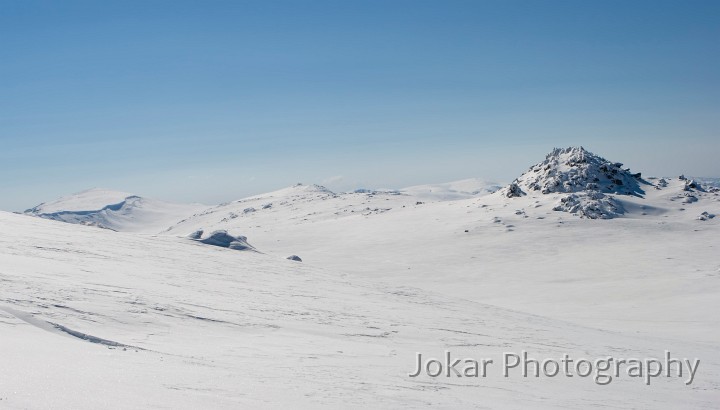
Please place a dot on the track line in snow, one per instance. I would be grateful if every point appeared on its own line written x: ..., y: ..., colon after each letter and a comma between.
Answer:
x: 57, y: 328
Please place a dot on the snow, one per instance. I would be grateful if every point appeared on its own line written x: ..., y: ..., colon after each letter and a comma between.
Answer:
x: 463, y: 189
x: 118, y: 211
x: 711, y: 182
x: 223, y: 239
x: 161, y: 319
x: 184, y: 325
x: 91, y: 199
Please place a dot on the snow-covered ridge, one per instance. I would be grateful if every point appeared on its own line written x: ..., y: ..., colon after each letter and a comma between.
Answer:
x: 295, y: 190
x: 118, y: 211
x: 89, y: 200
x: 307, y: 204
x: 571, y: 180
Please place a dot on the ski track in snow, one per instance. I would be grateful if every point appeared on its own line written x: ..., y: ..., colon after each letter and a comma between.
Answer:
x: 54, y: 327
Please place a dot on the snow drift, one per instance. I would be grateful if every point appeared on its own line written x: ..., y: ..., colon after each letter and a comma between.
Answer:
x: 117, y: 211
x: 223, y: 239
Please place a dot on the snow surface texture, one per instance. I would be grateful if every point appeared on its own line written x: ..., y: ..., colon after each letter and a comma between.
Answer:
x: 164, y: 321
x: 118, y: 211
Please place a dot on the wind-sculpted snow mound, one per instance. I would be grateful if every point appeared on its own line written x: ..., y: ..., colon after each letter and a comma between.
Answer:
x: 223, y: 239
x: 117, y: 211
x: 588, y: 180
x: 84, y: 201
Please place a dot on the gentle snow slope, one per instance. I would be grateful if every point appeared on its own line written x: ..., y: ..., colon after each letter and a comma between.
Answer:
x: 654, y: 270
x: 182, y: 325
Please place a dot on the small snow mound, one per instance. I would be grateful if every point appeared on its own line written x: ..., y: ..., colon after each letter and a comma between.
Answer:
x: 592, y: 205
x: 223, y: 239
x: 705, y: 216
x: 294, y: 258
x: 311, y: 188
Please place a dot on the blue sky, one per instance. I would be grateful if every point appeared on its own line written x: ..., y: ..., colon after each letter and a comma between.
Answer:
x: 210, y: 100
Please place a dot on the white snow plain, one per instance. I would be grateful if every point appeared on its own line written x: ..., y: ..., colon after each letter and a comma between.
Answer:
x: 93, y: 318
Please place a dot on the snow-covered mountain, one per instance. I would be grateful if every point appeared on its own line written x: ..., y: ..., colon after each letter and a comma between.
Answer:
x: 118, y: 211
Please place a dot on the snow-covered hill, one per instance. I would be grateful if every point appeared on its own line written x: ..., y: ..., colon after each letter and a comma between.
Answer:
x: 588, y: 185
x: 118, y: 211
x: 309, y: 204
x: 575, y: 169
x: 588, y: 181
